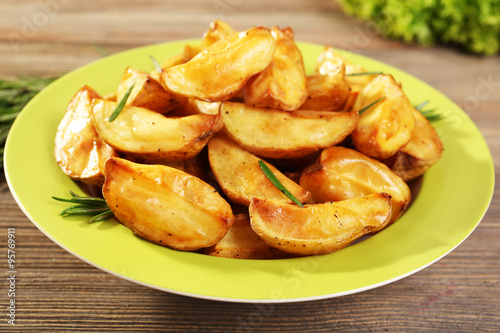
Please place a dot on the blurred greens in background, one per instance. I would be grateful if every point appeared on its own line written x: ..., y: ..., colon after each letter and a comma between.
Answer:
x: 473, y: 25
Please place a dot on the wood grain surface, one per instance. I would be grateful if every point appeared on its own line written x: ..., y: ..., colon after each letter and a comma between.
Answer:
x: 57, y: 292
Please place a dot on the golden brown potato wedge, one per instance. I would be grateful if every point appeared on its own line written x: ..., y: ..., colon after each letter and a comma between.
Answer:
x: 330, y: 60
x: 341, y: 173
x: 320, y: 228
x: 282, y: 85
x: 149, y: 137
x: 166, y: 206
x: 79, y: 150
x: 285, y: 134
x: 387, y: 126
x: 424, y: 150
x: 147, y: 92
x: 327, y: 92
x: 241, y: 242
x: 217, y: 30
x: 241, y: 178
x: 221, y: 70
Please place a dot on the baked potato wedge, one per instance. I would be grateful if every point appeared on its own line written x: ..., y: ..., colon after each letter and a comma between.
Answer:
x: 147, y: 92
x: 79, y: 151
x: 330, y: 60
x: 222, y: 69
x: 424, y: 150
x: 327, y: 92
x: 217, y: 30
x: 341, y: 174
x: 285, y: 134
x: 241, y: 178
x: 282, y: 85
x: 166, y: 206
x: 387, y: 126
x: 319, y: 228
x: 241, y: 242
x: 147, y: 136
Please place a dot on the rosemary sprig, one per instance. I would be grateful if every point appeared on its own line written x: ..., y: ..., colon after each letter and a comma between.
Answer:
x: 430, y: 114
x: 156, y: 63
x: 270, y: 175
x: 86, y: 206
x: 369, y: 106
x: 364, y: 73
x: 121, y: 104
x: 14, y: 95
x: 101, y: 50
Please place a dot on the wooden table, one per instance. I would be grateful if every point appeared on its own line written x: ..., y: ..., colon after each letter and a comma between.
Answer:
x: 57, y: 292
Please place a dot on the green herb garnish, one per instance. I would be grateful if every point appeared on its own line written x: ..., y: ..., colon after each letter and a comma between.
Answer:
x: 157, y: 64
x: 14, y: 95
x: 430, y: 114
x: 270, y: 175
x: 369, y: 106
x: 121, y: 104
x: 86, y: 206
x: 101, y: 50
x: 364, y: 73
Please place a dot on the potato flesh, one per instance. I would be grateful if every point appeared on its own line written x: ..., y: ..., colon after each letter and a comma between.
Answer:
x: 320, y: 228
x: 386, y: 126
x: 424, y: 149
x: 166, y: 206
x: 242, y: 242
x: 221, y: 70
x: 147, y: 92
x: 342, y: 173
x: 241, y: 178
x: 282, y: 85
x: 151, y: 137
x: 284, y: 134
x: 79, y: 151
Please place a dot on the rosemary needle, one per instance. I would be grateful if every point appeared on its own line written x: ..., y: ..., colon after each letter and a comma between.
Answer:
x: 270, y: 175
x: 86, y: 206
x: 121, y: 105
x: 369, y: 106
x: 157, y: 65
x: 430, y: 114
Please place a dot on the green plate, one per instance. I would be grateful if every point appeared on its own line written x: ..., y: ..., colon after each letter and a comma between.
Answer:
x: 454, y: 196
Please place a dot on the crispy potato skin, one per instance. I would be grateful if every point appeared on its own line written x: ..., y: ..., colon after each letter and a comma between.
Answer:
x: 147, y: 92
x: 424, y: 150
x: 79, y: 151
x: 217, y: 30
x: 146, y: 136
x: 285, y: 134
x: 240, y: 177
x: 328, y: 92
x: 282, y: 85
x: 166, y: 206
x: 320, y: 228
x: 222, y: 69
x: 342, y: 173
x: 241, y: 242
x: 386, y: 127
x: 330, y: 60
